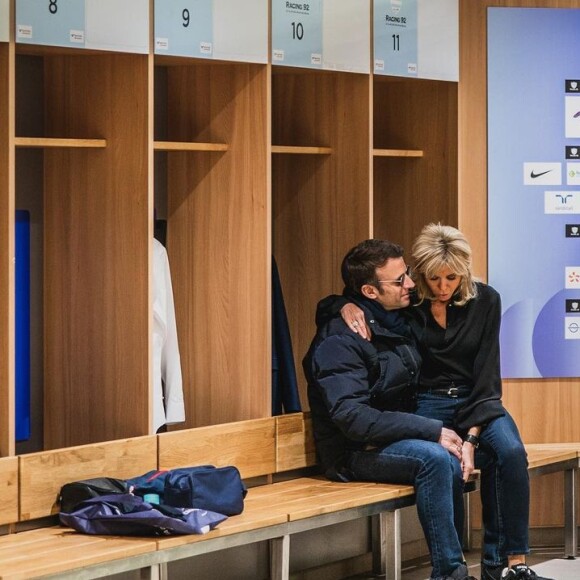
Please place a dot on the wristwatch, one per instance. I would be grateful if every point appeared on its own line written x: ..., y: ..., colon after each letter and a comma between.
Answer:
x: 473, y: 439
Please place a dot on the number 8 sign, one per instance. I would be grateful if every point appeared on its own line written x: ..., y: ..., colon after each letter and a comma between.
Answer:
x: 52, y: 22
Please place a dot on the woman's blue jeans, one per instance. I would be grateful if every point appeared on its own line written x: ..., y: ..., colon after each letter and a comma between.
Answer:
x: 505, y: 486
x: 436, y: 475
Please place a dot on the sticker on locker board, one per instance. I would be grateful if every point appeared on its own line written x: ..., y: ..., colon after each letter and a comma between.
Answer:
x: 51, y: 22
x: 184, y: 27
x: 297, y: 33
x: 119, y: 26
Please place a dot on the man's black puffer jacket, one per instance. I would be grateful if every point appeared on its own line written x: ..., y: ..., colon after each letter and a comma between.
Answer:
x: 361, y: 392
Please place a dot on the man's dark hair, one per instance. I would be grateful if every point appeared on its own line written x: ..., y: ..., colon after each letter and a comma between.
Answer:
x: 360, y: 263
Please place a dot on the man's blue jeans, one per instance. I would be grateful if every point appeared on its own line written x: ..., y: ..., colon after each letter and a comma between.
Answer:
x: 436, y: 475
x: 505, y: 486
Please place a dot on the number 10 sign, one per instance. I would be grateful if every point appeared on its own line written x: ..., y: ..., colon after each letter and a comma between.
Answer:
x: 297, y: 33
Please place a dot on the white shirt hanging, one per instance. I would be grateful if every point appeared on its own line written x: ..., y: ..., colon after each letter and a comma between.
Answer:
x: 167, y: 380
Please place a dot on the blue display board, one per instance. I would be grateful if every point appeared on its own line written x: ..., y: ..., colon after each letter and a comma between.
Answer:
x: 52, y: 22
x: 534, y: 187
x: 22, y: 346
x: 297, y: 33
x: 184, y: 27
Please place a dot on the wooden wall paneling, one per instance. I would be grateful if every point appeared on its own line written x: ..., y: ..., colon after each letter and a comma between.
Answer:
x: 7, y: 155
x: 543, y: 409
x: 218, y: 245
x: 96, y: 238
x: 320, y: 202
x: 411, y: 192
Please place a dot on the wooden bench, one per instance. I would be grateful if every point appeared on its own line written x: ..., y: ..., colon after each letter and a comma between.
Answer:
x: 280, y: 502
x: 51, y: 549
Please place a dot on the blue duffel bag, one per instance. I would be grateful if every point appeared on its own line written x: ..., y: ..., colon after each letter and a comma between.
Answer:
x: 130, y: 515
x: 218, y: 489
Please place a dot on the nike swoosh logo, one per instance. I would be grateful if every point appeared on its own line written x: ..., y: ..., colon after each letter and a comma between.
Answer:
x: 534, y: 175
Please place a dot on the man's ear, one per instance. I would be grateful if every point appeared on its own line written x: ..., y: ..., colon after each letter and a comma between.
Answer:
x: 369, y: 291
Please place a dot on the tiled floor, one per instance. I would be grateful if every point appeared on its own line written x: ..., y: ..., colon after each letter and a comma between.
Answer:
x: 547, y: 562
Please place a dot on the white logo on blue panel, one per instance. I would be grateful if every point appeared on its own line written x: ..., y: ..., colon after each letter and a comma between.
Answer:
x: 542, y: 173
x: 572, y: 280
x: 571, y: 328
x: 561, y: 202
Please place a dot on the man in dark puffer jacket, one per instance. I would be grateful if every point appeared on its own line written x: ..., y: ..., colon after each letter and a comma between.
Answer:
x: 360, y: 396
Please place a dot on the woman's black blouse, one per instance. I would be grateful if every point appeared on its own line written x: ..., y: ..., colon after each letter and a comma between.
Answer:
x: 466, y: 353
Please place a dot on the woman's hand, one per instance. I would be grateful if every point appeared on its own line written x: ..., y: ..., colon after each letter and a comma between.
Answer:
x: 355, y: 320
x: 467, y: 459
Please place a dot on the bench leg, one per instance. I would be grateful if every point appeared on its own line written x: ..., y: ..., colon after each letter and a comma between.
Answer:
x: 386, y: 540
x: 571, y: 540
x: 156, y: 572
x: 280, y: 558
x: 467, y: 524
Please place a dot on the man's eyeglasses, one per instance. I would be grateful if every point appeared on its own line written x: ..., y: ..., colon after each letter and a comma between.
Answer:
x: 400, y: 280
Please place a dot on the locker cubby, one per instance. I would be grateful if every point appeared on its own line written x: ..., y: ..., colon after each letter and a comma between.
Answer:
x: 415, y: 156
x: 211, y: 143
x: 82, y: 130
x: 320, y: 187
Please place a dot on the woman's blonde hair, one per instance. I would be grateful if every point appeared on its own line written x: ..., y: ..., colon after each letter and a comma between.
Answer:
x: 438, y: 246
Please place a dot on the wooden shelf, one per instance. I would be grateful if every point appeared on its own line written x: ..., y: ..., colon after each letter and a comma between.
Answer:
x: 188, y: 146
x: 295, y: 150
x: 397, y: 153
x: 43, y: 142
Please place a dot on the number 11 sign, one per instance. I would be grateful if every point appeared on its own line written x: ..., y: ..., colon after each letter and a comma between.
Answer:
x: 396, y: 46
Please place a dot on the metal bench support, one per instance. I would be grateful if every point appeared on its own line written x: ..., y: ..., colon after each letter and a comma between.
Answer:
x: 386, y: 540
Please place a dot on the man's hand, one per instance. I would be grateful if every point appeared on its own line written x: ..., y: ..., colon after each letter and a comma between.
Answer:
x: 451, y: 441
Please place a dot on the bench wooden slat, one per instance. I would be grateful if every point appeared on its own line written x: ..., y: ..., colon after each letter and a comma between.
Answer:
x: 64, y: 550
x: 43, y: 474
x: 295, y: 442
x: 541, y: 457
x: 249, y: 445
x: 9, y: 490
x: 346, y: 499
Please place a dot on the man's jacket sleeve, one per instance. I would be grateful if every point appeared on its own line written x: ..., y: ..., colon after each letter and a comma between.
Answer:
x: 339, y: 365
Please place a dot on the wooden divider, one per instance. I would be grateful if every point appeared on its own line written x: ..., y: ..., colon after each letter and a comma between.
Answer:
x: 43, y: 474
x: 249, y: 445
x: 9, y: 490
x: 294, y: 442
x: 6, y: 249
